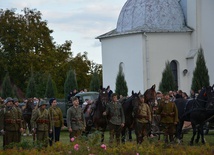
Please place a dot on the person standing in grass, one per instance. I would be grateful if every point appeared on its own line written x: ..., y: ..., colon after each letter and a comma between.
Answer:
x: 75, y: 119
x: 115, y: 113
x: 56, y: 121
x: 41, y: 123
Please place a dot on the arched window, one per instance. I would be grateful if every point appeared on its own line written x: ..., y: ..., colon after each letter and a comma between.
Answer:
x: 173, y: 65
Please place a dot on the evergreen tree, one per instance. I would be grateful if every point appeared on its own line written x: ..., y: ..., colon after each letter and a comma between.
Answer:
x: 200, y: 74
x: 121, y: 85
x: 31, y: 87
x: 51, y: 90
x: 95, y: 82
x: 70, y: 82
x: 7, y: 89
x: 167, y: 82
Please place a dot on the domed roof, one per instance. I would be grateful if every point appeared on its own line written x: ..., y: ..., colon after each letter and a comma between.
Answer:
x: 151, y: 15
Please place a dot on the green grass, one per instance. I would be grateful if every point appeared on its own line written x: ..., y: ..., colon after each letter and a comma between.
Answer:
x: 64, y: 138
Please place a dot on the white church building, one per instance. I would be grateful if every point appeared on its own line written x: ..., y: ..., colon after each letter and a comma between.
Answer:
x: 149, y: 33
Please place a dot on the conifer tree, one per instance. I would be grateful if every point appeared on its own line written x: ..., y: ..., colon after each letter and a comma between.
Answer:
x: 70, y: 82
x: 121, y: 85
x: 95, y: 82
x: 31, y: 87
x: 7, y: 89
x: 200, y: 74
x: 167, y: 82
x: 51, y: 89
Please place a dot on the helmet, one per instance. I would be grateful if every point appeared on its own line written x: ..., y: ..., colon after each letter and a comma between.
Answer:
x: 9, y: 99
x: 15, y: 100
x: 43, y: 102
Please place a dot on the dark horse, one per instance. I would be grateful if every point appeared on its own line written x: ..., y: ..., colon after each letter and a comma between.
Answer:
x: 195, y: 111
x: 128, y: 105
x: 27, y: 112
x: 99, y: 120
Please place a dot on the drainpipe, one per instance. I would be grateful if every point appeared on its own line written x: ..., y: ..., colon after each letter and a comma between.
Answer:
x: 147, y: 62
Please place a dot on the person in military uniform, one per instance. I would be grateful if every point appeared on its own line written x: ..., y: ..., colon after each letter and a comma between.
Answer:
x: 56, y: 121
x: 41, y: 123
x: 75, y: 119
x: 114, y: 112
x: 143, y: 118
x: 10, y: 126
x: 20, y: 119
x: 169, y: 117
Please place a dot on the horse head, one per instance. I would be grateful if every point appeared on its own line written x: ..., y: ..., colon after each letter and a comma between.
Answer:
x: 30, y: 104
x: 210, y: 98
x: 150, y: 96
x: 135, y: 99
x: 103, y: 99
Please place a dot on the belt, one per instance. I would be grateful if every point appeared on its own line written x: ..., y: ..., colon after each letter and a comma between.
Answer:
x: 43, y: 121
x: 10, y: 121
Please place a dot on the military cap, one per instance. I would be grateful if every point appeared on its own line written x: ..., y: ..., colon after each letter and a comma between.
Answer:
x: 8, y: 99
x: 43, y: 102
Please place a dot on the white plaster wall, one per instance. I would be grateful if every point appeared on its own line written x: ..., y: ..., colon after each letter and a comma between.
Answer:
x: 207, y: 35
x: 129, y: 50
x: 168, y: 46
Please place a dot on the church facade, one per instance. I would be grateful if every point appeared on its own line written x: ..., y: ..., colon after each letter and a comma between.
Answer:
x: 149, y: 33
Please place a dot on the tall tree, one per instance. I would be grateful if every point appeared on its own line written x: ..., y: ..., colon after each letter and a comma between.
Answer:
x: 51, y: 89
x: 200, y: 74
x: 167, y: 82
x: 70, y: 82
x: 31, y: 87
x: 121, y: 85
x: 95, y: 82
x: 7, y: 89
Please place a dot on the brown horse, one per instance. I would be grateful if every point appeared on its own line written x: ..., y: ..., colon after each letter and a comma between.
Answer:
x: 27, y: 112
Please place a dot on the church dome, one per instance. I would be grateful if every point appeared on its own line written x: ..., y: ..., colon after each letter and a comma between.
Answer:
x: 151, y: 16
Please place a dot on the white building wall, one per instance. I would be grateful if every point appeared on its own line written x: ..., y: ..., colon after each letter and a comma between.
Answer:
x: 129, y: 50
x: 200, y: 18
x: 207, y: 34
x: 168, y: 46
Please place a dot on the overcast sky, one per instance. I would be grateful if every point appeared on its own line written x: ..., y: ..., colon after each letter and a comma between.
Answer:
x: 77, y: 20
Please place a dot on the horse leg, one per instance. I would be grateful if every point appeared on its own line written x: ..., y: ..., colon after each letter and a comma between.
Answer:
x: 194, y: 133
x: 198, y: 135
x: 130, y: 134
x: 202, y: 135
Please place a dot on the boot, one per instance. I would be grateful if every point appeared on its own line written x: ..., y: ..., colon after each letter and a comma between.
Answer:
x: 171, y: 138
x: 166, y: 139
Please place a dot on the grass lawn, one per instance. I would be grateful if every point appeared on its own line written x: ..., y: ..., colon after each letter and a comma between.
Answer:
x: 64, y: 138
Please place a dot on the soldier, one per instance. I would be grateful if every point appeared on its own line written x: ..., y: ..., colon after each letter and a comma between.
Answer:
x: 143, y: 120
x: 115, y: 113
x: 10, y: 127
x: 169, y: 117
x: 75, y: 119
x: 56, y: 121
x: 20, y: 119
x: 41, y: 123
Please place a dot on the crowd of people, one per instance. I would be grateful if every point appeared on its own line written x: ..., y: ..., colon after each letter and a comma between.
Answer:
x: 46, y: 123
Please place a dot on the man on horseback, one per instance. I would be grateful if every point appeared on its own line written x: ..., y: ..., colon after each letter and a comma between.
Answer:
x: 143, y: 117
x: 169, y: 117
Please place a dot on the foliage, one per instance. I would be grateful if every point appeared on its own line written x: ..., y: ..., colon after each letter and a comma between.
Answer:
x: 91, y: 145
x: 70, y: 82
x: 26, y: 43
x: 95, y: 82
x: 7, y: 89
x: 167, y: 82
x: 200, y: 74
x: 51, y: 90
x: 121, y: 85
x: 31, y: 88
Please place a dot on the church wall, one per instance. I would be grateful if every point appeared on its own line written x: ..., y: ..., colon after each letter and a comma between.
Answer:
x: 126, y: 49
x: 168, y: 46
x: 200, y: 18
x: 207, y: 35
